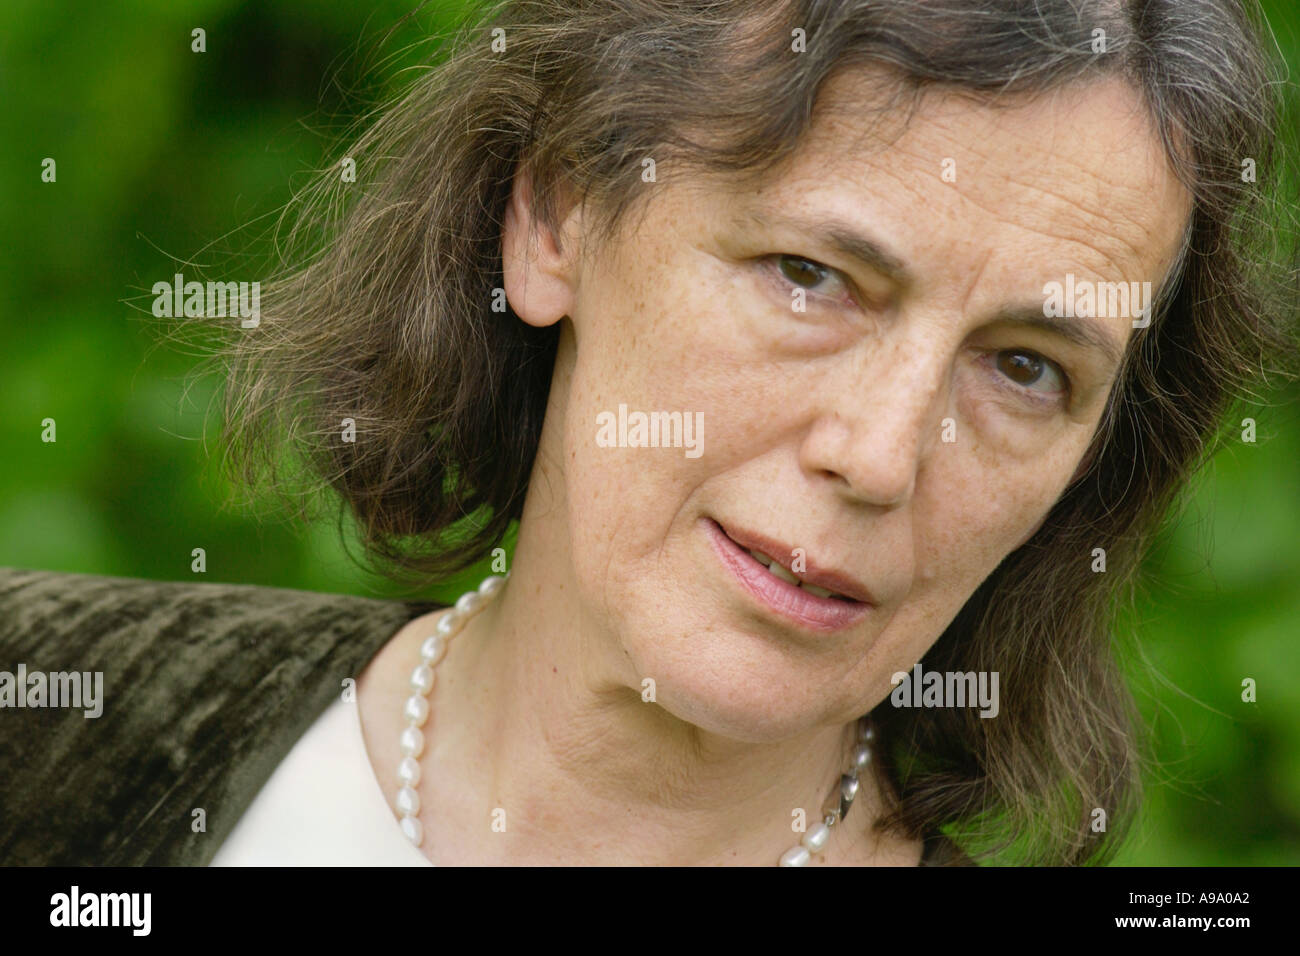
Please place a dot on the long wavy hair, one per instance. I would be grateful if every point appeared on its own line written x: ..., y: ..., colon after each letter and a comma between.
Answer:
x: 387, y: 311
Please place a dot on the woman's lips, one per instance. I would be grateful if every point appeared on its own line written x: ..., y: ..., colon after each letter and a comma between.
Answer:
x: 787, y: 600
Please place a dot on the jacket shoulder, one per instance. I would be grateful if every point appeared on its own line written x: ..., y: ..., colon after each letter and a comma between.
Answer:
x: 143, y: 702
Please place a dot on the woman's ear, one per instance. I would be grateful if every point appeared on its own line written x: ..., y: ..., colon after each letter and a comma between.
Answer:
x: 539, y: 268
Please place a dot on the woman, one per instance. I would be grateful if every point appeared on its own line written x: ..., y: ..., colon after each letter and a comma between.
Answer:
x: 836, y: 360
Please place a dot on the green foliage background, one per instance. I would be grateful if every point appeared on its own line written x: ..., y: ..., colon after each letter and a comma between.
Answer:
x: 161, y: 150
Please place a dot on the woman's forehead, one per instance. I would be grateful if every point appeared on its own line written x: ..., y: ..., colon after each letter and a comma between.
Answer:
x: 1077, y: 173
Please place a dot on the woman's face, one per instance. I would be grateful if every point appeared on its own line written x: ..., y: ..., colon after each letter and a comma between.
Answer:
x: 898, y: 437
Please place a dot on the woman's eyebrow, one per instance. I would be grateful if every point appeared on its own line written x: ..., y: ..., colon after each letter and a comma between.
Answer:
x: 838, y: 234
x: 1081, y: 330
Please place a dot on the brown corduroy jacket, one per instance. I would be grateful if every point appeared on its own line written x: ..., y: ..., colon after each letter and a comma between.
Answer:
x: 206, y: 688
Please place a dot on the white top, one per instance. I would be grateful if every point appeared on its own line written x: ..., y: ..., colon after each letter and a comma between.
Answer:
x: 321, y: 807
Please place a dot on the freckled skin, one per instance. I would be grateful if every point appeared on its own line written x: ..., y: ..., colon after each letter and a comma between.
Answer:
x: 821, y: 429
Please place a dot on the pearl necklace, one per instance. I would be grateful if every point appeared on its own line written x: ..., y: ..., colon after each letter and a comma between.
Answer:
x: 416, y: 712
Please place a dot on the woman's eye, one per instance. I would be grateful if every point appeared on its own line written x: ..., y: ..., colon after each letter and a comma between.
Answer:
x: 1031, y: 370
x: 810, y: 275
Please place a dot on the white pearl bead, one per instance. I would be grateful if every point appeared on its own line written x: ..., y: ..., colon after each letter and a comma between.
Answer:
x: 861, y: 756
x: 413, y: 829
x: 795, y: 856
x: 422, y: 679
x: 408, y: 771
x: 433, y: 649
x: 867, y: 734
x: 469, y: 604
x: 815, y: 839
x: 416, y: 710
x: 408, y: 802
x: 412, y: 741
x: 449, y: 625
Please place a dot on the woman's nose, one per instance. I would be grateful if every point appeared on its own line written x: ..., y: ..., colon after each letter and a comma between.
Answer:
x: 877, y: 422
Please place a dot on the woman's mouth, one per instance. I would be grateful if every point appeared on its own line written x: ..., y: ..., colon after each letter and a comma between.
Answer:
x: 782, y: 590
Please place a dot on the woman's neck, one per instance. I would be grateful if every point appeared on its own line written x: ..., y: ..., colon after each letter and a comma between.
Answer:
x: 541, y: 748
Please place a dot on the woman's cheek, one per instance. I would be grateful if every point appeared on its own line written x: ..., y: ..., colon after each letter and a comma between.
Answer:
x: 972, y: 514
